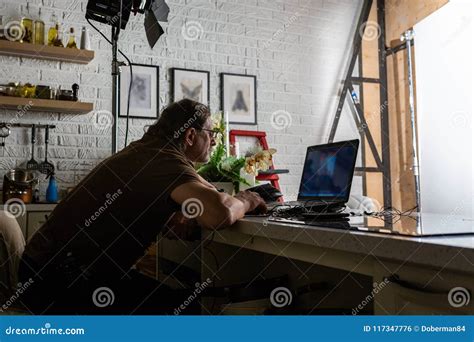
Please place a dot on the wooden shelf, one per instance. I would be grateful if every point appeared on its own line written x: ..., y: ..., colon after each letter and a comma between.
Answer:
x: 40, y: 105
x: 54, y: 53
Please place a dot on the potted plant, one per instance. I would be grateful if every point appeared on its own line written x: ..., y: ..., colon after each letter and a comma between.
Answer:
x: 230, y: 173
x: 222, y: 171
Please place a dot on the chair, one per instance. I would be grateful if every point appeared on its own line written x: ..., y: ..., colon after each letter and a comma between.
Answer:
x: 12, y: 245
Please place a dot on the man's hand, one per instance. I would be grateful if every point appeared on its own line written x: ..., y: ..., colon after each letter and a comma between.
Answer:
x: 255, y: 203
x: 180, y: 227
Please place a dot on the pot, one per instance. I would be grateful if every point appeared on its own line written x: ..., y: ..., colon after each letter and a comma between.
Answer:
x: 19, y: 183
x: 7, y: 90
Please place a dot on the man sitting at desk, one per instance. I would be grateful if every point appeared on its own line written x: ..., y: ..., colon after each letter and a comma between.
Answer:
x: 83, y: 256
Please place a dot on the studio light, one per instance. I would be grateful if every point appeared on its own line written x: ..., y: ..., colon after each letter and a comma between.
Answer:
x: 108, y: 12
x: 116, y: 13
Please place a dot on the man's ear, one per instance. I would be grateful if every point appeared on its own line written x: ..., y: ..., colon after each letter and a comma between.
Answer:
x: 190, y: 136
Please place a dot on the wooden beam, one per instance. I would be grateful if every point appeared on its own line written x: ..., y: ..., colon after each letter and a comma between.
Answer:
x: 401, y: 15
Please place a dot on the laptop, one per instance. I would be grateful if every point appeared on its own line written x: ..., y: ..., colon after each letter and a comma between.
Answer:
x: 327, y: 175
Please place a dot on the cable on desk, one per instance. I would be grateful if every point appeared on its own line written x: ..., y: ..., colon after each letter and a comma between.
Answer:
x: 392, y: 215
x: 287, y: 211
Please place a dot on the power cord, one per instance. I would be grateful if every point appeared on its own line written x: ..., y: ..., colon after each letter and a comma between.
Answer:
x: 287, y: 211
x: 391, y: 214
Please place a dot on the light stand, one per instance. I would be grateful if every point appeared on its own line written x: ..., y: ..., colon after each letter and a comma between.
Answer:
x: 407, y: 37
x: 115, y: 88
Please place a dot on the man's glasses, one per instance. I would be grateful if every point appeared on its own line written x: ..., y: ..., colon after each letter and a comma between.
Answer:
x: 212, y: 133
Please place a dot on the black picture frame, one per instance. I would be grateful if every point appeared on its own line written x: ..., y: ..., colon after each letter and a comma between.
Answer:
x: 225, y: 78
x: 177, y: 94
x: 154, y: 94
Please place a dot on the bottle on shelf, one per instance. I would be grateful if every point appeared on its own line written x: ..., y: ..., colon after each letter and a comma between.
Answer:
x: 36, y: 196
x: 53, y: 30
x: 71, y: 43
x: 39, y: 30
x: 27, y: 27
x: 85, y: 39
x: 2, y: 29
x: 59, y: 37
x: 52, y: 190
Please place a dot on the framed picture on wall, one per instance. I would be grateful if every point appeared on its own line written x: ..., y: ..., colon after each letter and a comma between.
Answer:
x: 144, y: 94
x: 190, y: 84
x: 239, y: 98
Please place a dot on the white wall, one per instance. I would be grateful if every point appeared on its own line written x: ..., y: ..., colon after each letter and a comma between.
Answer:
x: 296, y: 48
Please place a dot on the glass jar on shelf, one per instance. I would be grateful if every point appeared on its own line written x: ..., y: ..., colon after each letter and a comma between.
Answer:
x: 27, y: 90
x: 28, y: 29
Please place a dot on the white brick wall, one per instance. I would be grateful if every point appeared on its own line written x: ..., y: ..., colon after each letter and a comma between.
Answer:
x: 296, y: 48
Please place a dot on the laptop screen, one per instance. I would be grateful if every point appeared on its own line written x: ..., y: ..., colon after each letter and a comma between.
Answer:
x: 328, y: 171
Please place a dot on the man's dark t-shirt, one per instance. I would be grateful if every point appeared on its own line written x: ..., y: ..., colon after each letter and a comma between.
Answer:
x: 116, y: 212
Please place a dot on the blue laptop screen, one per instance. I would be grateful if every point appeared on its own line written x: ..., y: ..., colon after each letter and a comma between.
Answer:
x: 328, y: 172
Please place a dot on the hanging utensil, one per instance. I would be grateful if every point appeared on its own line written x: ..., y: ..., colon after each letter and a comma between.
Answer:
x: 46, y: 167
x: 32, y: 163
x: 4, y: 132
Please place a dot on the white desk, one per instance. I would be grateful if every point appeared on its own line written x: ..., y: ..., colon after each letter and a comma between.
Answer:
x: 428, y: 267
